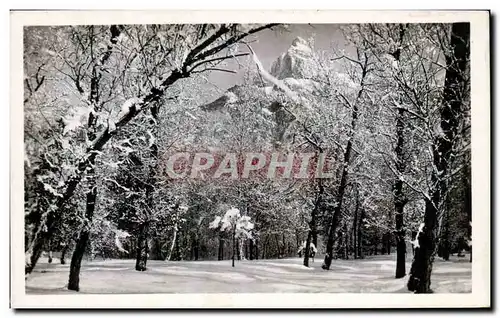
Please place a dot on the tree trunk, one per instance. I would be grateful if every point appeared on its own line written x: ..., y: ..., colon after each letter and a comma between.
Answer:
x: 220, y: 255
x: 454, y: 96
x: 276, y: 240
x: 400, y: 199
x: 94, y: 102
x: 83, y: 239
x: 142, y: 239
x: 245, y: 245
x: 346, y: 242
x: 421, y: 268
x: 467, y: 204
x: 35, y: 255
x: 285, y: 251
x: 413, y: 239
x: 444, y: 240
x: 76, y: 261
x: 388, y: 243
x: 42, y: 233
x: 251, y: 248
x: 313, y: 232
x: 174, y: 239
x: 177, y: 255
x: 238, y: 249
x: 339, y: 247
x: 297, y: 240
x: 306, y: 249
x: 360, y: 233
x: 384, y: 239
x: 142, y: 247
x: 400, y: 233
x: 257, y: 249
x: 400, y: 255
x: 355, y: 229
x: 196, y: 247
x: 339, y: 195
x: 264, y: 247
x: 63, y: 254
x: 336, y: 214
x: 234, y: 246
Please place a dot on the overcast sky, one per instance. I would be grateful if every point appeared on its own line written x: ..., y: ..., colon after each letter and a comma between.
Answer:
x: 270, y: 44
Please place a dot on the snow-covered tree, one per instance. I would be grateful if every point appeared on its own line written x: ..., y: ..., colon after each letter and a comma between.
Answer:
x: 239, y: 226
x: 102, y: 65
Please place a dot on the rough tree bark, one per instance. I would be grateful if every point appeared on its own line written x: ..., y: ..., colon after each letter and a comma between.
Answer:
x: 142, y: 247
x: 82, y: 242
x: 454, y: 96
x: 400, y: 199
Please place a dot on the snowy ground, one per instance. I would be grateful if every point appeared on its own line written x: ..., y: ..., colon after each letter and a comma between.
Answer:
x: 373, y: 274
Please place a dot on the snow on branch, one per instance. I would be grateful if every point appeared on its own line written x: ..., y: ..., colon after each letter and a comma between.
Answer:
x: 117, y: 184
x: 126, y: 106
x: 119, y: 235
x: 215, y: 223
x: 233, y: 222
x: 131, y: 108
x: 420, y: 230
x: 303, y: 247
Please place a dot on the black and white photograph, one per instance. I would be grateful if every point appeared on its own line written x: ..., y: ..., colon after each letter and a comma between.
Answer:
x: 185, y: 157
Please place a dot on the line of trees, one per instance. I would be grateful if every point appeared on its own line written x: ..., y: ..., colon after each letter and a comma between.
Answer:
x: 106, y: 105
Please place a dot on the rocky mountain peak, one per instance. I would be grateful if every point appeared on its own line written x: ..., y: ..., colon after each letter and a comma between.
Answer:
x: 295, y: 62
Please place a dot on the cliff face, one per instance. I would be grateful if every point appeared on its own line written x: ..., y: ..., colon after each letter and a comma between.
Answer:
x: 295, y: 62
x: 294, y: 67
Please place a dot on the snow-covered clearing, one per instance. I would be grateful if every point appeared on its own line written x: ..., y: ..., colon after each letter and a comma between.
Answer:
x: 371, y: 275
